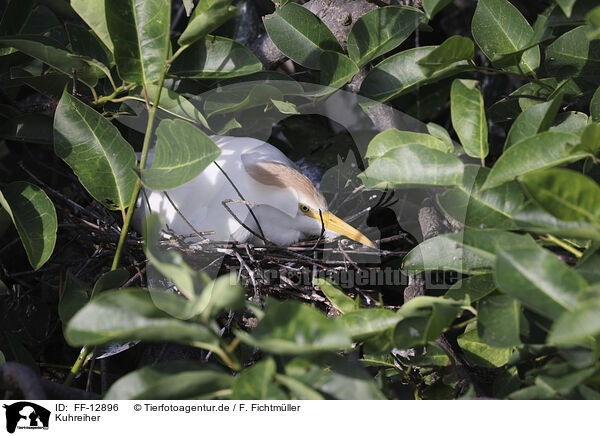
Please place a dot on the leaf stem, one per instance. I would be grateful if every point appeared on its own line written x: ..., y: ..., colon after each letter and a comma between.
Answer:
x: 575, y: 252
x: 116, y: 92
x: 142, y: 165
x: 83, y: 354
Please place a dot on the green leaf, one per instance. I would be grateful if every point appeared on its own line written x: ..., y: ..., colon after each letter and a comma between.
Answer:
x: 573, y: 54
x: 215, y: 57
x: 132, y: 315
x: 565, y: 384
x: 470, y: 251
x: 140, y: 33
x: 113, y: 279
x: 234, y: 99
x: 481, y: 353
x: 474, y: 288
x: 288, y: 327
x: 535, y: 119
x: 566, y: 6
x: 511, y: 106
x: 544, y: 150
x: 590, y: 139
x: 178, y: 380
x: 363, y: 324
x: 413, y: 165
x: 442, y: 134
x: 73, y: 296
x: 537, y: 279
x: 336, y: 296
x: 285, y: 107
x: 93, y: 13
x: 96, y: 151
x: 492, y: 208
x: 336, y: 69
x: 593, y: 19
x: 52, y: 53
x: 329, y: 376
x: 595, y: 106
x: 182, y: 153
x: 566, y: 194
x: 3, y: 289
x: 256, y: 383
x: 432, y: 7
x: 86, y: 45
x: 36, y: 128
x: 430, y: 355
x: 393, y: 138
x: 172, y: 103
x: 499, y: 29
x: 2, y: 358
x: 499, y: 321
x: 401, y: 73
x: 381, y: 30
x: 424, y: 320
x: 577, y: 326
x: 570, y: 122
x: 208, y: 16
x: 454, y: 49
x: 34, y: 216
x: 300, y: 35
x: 468, y: 117
x: 298, y: 390
x: 534, y: 219
x: 203, y: 297
x: 589, y: 265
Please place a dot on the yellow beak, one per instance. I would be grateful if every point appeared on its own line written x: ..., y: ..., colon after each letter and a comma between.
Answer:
x: 335, y: 224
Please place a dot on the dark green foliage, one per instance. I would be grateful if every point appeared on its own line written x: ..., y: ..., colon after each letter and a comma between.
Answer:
x: 514, y: 171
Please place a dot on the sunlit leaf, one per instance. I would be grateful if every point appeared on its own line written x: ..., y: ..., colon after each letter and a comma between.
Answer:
x: 468, y: 117
x: 544, y: 150
x: 492, y: 208
x: 95, y: 150
x: 471, y: 251
x: 539, y: 280
x: 499, y: 29
x: 208, y: 15
x: 182, y: 152
x: 413, y: 165
x: 140, y: 32
x: 300, y: 35
x: 381, y: 30
x: 215, y: 57
x: 454, y: 49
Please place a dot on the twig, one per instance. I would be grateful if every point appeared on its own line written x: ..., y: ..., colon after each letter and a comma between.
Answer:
x: 229, y: 200
x: 199, y: 234
x: 243, y: 199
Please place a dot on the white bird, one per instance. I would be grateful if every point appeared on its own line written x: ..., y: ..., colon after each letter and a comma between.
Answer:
x: 286, y: 204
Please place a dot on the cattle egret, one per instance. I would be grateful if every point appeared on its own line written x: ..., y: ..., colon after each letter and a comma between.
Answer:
x: 286, y: 204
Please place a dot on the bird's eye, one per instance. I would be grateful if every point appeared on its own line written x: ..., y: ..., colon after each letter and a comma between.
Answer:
x: 304, y: 208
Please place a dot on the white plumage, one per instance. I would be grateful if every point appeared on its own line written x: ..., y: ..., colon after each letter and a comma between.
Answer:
x: 287, y: 205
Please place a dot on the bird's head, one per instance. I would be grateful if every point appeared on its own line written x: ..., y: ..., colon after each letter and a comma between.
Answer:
x: 294, y: 194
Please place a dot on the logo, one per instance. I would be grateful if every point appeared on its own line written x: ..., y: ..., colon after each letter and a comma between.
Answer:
x: 26, y: 415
